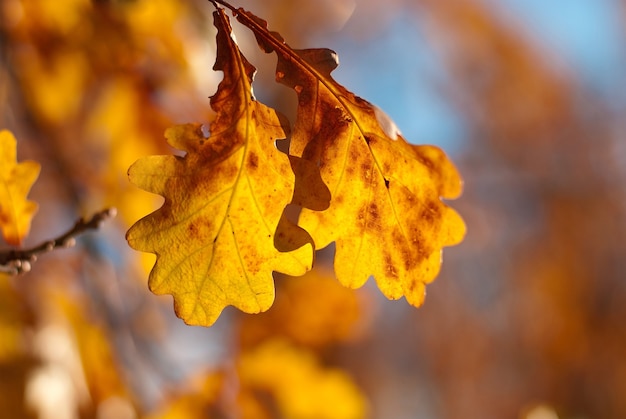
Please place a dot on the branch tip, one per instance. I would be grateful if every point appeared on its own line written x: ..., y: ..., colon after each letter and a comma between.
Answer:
x: 15, y: 262
x: 111, y: 212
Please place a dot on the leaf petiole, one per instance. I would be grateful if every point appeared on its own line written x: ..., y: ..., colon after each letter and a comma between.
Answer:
x: 223, y: 3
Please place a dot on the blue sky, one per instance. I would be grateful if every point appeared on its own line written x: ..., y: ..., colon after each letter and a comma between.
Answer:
x: 589, y: 34
x: 585, y: 35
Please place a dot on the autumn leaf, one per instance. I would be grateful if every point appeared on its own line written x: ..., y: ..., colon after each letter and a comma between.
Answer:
x: 214, y: 236
x: 16, y: 179
x: 386, y: 214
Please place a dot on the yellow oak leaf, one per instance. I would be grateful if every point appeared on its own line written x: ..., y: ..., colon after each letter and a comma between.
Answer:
x: 215, y: 234
x: 16, y: 179
x: 386, y: 215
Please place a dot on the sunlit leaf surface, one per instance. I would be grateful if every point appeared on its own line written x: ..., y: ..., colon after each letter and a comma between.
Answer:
x: 386, y: 214
x: 214, y: 237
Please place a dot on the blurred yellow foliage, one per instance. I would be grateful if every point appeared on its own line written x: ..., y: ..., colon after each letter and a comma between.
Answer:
x: 16, y: 179
x: 113, y: 121
x: 62, y: 17
x: 65, y: 72
x: 96, y: 352
x: 300, y: 387
x: 319, y: 310
x: 201, y: 401
x: 12, y: 322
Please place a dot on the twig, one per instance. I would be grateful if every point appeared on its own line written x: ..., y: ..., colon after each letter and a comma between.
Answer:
x: 15, y: 262
x: 223, y: 3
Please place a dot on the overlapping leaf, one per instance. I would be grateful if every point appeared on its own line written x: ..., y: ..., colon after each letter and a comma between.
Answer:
x: 16, y: 179
x: 386, y: 214
x: 214, y: 236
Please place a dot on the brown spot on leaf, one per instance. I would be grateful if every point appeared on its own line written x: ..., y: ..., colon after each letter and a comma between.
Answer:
x: 431, y: 213
x: 366, y: 169
x: 253, y: 161
x: 373, y: 211
x: 350, y: 169
x: 230, y: 170
x: 427, y: 163
x: 409, y: 253
x: 362, y: 214
x: 390, y: 267
x: 410, y: 258
x: 193, y: 231
x: 412, y: 286
x: 353, y: 155
x: 373, y: 216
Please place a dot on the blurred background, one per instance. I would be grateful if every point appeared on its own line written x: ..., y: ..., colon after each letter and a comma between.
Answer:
x: 526, y: 319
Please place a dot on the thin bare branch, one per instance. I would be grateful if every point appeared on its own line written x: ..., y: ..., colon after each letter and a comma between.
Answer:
x: 15, y: 262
